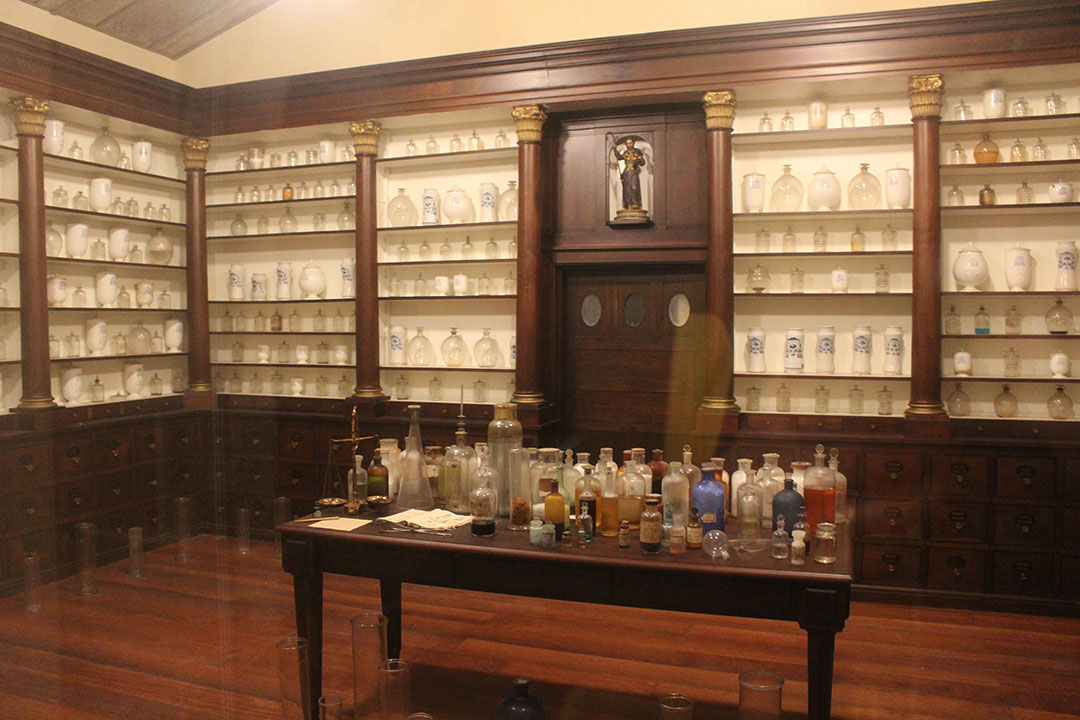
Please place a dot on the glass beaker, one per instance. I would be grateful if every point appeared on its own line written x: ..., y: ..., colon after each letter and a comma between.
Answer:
x: 825, y: 543
x: 369, y: 652
x: 759, y: 695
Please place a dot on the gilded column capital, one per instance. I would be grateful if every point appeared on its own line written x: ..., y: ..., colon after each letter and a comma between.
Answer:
x: 365, y: 137
x: 925, y: 93
x: 29, y: 115
x: 719, y: 109
x: 529, y: 120
x: 195, y: 151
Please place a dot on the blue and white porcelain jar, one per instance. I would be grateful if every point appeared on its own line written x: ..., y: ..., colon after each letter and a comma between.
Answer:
x: 826, y: 349
x: 793, y: 350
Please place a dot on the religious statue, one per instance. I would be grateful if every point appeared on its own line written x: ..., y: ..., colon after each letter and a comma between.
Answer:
x: 631, y: 162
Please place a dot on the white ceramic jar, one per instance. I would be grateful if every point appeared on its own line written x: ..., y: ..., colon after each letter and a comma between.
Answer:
x: 839, y: 280
x: 961, y: 361
x: 894, y: 350
x: 457, y: 206
x: 77, y: 240
x: 312, y: 281
x: 303, y: 355
x: 1018, y: 269
x: 326, y: 151
x: 56, y: 290
x: 235, y: 280
x: 119, y: 243
x: 296, y: 386
x: 489, y: 198
x: 970, y: 268
x: 862, y: 347
x: 430, y: 212
x: 755, y: 350
x: 96, y: 336
x: 1061, y: 192
x: 258, y: 286
x: 1060, y: 365
x: 817, y: 115
x: 284, y: 280
x: 71, y: 384
x: 753, y: 192
x: 396, y: 340
x: 824, y: 192
x: 461, y: 284
x: 142, y: 157
x: 1066, y: 256
x: 442, y: 285
x: 144, y: 294
x: 53, y: 143
x: 898, y: 188
x: 994, y: 103
x: 341, y: 355
x: 826, y: 349
x: 101, y: 196
x: 174, y: 334
x: 105, y: 288
x: 794, y: 357
x: 348, y: 277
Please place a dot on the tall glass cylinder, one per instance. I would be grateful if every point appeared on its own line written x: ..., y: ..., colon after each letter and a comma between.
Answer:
x: 292, y: 655
x: 135, y: 552
x: 32, y: 580
x: 243, y: 531
x: 183, y: 528
x: 86, y: 537
x: 759, y: 695
x: 369, y: 652
x: 394, y: 690
x: 522, y: 496
x: 283, y: 514
x: 504, y: 436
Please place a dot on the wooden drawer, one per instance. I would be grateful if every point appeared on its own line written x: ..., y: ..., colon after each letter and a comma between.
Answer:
x: 1022, y: 573
x: 1026, y: 477
x: 295, y: 480
x: 959, y: 475
x: 111, y: 451
x: 258, y: 438
x: 25, y: 467
x: 26, y: 510
x: 892, y: 518
x: 893, y: 474
x: 115, y: 489
x: 1070, y: 576
x: 47, y: 545
x: 956, y: 569
x: 1072, y: 480
x: 890, y: 564
x: 184, y: 476
x: 113, y: 529
x: 297, y: 442
x: 819, y: 422
x: 72, y: 456
x: 261, y: 507
x: 961, y: 522
x: 74, y: 499
x: 756, y: 421
x: 1070, y: 524
x: 148, y: 443
x: 183, y: 438
x: 254, y: 477
x: 1024, y: 525
x: 151, y: 481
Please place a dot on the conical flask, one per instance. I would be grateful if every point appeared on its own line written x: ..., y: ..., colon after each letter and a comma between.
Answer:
x: 415, y: 489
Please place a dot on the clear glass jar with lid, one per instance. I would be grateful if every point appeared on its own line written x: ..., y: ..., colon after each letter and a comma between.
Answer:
x: 1039, y: 151
x: 789, y: 244
x: 957, y: 155
x: 885, y: 401
x: 864, y: 190
x: 420, y: 352
x: 787, y: 122
x: 783, y: 398
x: 787, y: 192
x: 856, y: 400
x: 819, y: 491
x: 877, y: 118
x: 765, y: 124
x: 1012, y: 363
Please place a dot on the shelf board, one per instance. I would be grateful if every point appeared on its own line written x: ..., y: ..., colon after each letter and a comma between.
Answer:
x: 265, y: 303
x: 313, y: 235
x: 9, y: 150
x: 278, y: 333
x: 1006, y: 125
x: 16, y: 361
x: 284, y: 170
x: 866, y: 134
x: 824, y: 376
x: 422, y: 263
x: 92, y: 310
x: 9, y: 201
x: 1023, y: 169
x: 1010, y: 293
x: 52, y: 211
x: 340, y: 199
x: 751, y: 217
x: 10, y: 309
x: 423, y: 163
x: 113, y: 263
x: 440, y: 298
x: 116, y: 400
x: 281, y: 364
x: 823, y: 295
x: 90, y: 169
x: 1008, y: 380
x: 441, y: 368
x: 1027, y: 418
x: 95, y: 358
x: 449, y: 227
x: 991, y: 211
x: 1044, y: 336
x: 839, y: 253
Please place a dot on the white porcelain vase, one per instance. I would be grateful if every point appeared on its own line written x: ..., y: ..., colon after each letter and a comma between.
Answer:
x: 133, y: 379
x: 898, y: 188
x: 970, y: 269
x: 862, y: 347
x: 348, y: 277
x: 101, y: 196
x: 284, y: 280
x: 458, y: 206
x: 826, y: 349
x: 96, y: 336
x: 1066, y: 256
x: 174, y: 334
x: 442, y: 285
x: 262, y: 353
x: 961, y: 362
x: 994, y: 103
x: 312, y: 281
x: 489, y: 197
x: 1061, y: 192
x: 794, y: 357
x: 755, y: 350
x: 1018, y: 269
x: 53, y: 142
x: 144, y: 294
x: 119, y: 243
x: 235, y: 281
x: 71, y: 383
x: 77, y: 240
x: 461, y: 284
x: 105, y: 288
x: 753, y: 192
x: 824, y: 192
x: 894, y: 350
x: 56, y: 290
x: 1060, y: 365
x: 142, y: 157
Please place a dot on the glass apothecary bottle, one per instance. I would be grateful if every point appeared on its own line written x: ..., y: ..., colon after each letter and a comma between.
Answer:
x: 432, y: 146
x: 403, y: 252
x: 1021, y: 108
x: 856, y: 400
x: 344, y: 387
x: 885, y: 401
x: 1055, y: 105
x: 1074, y: 150
x: 256, y: 384
x: 962, y: 111
x: 877, y: 118
x: 858, y: 240
x: 821, y: 240
x: 762, y: 241
x: 1005, y: 403
x: 491, y: 250
x: 276, y: 323
x: 987, y: 196
x: 284, y: 352
x: 1059, y: 319
x: 1060, y: 405
x: 1012, y: 363
x: 986, y: 151
x: 322, y: 353
x: 1018, y: 152
x: 467, y: 249
x: 982, y: 321
x: 435, y: 389
x: 797, y: 280
x: 288, y: 222
x: 335, y: 188
x: 97, y: 390
x: 277, y: 384
x: 78, y: 298
x: 54, y: 347
x: 1039, y: 151
x: 118, y: 346
x: 864, y: 190
x: 821, y: 400
x: 346, y: 220
x: 401, y: 388
x: 787, y: 122
x: 453, y: 350
x: 955, y: 197
x: 105, y: 149
x: 881, y: 280
x: 888, y: 239
x: 757, y: 280
x: 957, y: 402
x: 123, y: 298
x: 486, y: 350
x: 456, y: 145
x: 957, y: 155
x: 60, y: 197
x: 753, y: 399
x: 296, y: 322
x: 783, y: 398
x: 322, y: 386
x: 156, y: 385
x: 1024, y: 194
x: 789, y: 243
x: 787, y: 192
x: 1014, y: 321
x: 847, y: 120
x: 271, y: 194
x: 479, y: 391
x: 420, y: 352
x: 236, y: 383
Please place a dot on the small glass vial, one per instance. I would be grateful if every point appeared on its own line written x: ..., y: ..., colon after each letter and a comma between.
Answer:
x: 1014, y: 321
x: 753, y: 399
x: 951, y: 324
x: 432, y: 146
x: 762, y: 241
x: 467, y: 249
x: 821, y: 400
x: 1020, y: 108
x: 877, y: 118
x: 97, y: 391
x: 955, y: 197
x: 825, y: 543
x: 798, y: 547
x: 884, y: 401
x: 410, y: 151
x: 797, y: 281
x: 789, y: 243
x: 1055, y: 105
x: 547, y: 532
x: 1024, y: 194
x: 1074, y: 152
x: 856, y: 400
x: 888, y: 239
x: 677, y: 540
x: 1039, y: 151
x: 535, y: 531
x: 821, y: 240
x: 501, y: 141
x: 957, y: 155
x: 693, y: 530
x: 1012, y: 363
x: 858, y: 240
x: 982, y: 321
x: 962, y: 111
x: 401, y: 388
x: 987, y: 196
x: 156, y: 386
x: 779, y: 546
x: 847, y: 120
x: 787, y: 122
x: 1018, y: 152
x: 475, y: 143
x: 783, y: 399
x: 881, y: 280
x: 765, y: 123
x: 78, y: 298
x: 624, y: 535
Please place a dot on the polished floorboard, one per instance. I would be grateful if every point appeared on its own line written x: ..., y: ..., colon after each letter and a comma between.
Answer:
x: 195, y: 641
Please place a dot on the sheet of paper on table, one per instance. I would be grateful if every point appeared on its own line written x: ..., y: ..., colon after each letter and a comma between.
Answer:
x: 343, y: 524
x: 429, y: 519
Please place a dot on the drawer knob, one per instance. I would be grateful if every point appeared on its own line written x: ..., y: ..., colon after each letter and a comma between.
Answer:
x: 184, y: 439
x: 27, y: 462
x: 960, y: 479
x: 1024, y: 576
x: 956, y: 572
x: 31, y: 511
x: 959, y: 525
x: 256, y: 440
x: 1027, y: 481
x: 892, y: 568
x: 114, y: 448
x: 296, y: 438
x: 1025, y: 529
x: 116, y: 490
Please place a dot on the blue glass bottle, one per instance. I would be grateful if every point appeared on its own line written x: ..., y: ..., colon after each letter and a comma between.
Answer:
x: 788, y: 502
x: 708, y: 497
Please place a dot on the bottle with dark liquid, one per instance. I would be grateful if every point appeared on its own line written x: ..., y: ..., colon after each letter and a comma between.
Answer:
x: 482, y: 506
x: 378, y: 485
x: 659, y: 469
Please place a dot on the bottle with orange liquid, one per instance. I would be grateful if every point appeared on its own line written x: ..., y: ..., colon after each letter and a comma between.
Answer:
x: 820, y: 491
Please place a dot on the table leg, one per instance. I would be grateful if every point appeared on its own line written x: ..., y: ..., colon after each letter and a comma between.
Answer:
x: 391, y: 608
x: 819, y: 657
x: 308, y: 596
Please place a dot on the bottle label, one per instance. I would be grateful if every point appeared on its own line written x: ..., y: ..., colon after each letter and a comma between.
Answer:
x: 650, y: 532
x: 708, y: 518
x: 693, y: 536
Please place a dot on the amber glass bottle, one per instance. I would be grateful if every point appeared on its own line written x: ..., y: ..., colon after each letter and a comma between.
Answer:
x: 554, y: 505
x: 693, y: 530
x: 650, y: 528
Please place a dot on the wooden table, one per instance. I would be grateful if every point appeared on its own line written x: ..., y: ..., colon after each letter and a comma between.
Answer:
x: 748, y: 585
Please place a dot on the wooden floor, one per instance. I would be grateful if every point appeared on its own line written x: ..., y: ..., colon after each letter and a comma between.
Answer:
x: 196, y: 641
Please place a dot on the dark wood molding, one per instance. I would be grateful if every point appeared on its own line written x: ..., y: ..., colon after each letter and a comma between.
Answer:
x: 366, y: 244
x: 198, y: 292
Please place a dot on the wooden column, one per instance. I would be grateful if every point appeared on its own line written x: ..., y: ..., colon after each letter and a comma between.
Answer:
x: 529, y: 120
x: 366, y: 145
x: 200, y: 390
x: 718, y: 411
x: 29, y: 116
x: 925, y: 94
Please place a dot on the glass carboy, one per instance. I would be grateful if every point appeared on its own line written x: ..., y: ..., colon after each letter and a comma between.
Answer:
x: 864, y: 190
x: 486, y: 350
x: 419, y: 351
x: 787, y: 192
x: 453, y: 350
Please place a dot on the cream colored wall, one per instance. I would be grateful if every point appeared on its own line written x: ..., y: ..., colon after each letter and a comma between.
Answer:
x: 299, y: 36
